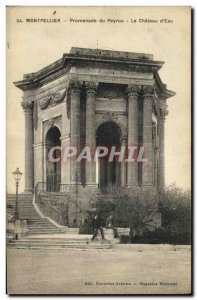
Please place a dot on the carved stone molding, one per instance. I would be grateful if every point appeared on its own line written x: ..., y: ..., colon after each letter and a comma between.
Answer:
x: 44, y: 102
x: 56, y: 121
x: 109, y: 116
x: 27, y: 105
x: 52, y: 99
x: 58, y: 97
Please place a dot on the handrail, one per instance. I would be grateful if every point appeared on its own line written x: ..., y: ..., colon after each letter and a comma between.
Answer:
x: 52, y: 204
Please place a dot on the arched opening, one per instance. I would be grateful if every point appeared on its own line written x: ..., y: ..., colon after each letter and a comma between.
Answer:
x: 109, y: 134
x: 53, y: 168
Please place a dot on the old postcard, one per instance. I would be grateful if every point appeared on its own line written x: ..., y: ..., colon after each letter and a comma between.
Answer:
x: 98, y: 150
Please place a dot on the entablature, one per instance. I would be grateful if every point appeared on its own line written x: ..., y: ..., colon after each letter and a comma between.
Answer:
x: 107, y: 66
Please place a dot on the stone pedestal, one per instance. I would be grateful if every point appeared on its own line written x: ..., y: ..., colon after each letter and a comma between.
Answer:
x: 123, y: 231
x: 20, y: 228
x: 29, y: 167
x: 108, y: 235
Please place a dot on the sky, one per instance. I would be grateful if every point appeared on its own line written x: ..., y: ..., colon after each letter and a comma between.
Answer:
x: 32, y: 46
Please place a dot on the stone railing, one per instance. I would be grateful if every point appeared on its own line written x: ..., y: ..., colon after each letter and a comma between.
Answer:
x: 53, y: 205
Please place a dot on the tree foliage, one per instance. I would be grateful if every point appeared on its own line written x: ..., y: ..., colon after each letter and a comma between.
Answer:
x: 137, y: 208
x: 134, y: 209
x: 175, y: 206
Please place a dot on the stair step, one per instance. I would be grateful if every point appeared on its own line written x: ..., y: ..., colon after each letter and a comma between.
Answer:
x: 46, y: 233
x: 51, y: 243
x: 43, y: 228
x: 37, y: 229
x: 53, y: 247
x: 39, y: 221
x: 35, y: 224
x: 43, y: 231
x: 40, y: 225
x: 20, y: 245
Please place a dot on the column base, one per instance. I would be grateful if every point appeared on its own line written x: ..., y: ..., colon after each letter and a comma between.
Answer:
x: 132, y: 186
x: 91, y: 184
x: 75, y: 183
x: 147, y: 185
x: 28, y: 191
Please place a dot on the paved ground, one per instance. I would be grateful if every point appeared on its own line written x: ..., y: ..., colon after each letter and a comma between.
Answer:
x: 99, y: 272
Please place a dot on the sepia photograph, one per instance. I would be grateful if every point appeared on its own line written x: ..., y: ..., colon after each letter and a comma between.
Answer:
x: 98, y: 192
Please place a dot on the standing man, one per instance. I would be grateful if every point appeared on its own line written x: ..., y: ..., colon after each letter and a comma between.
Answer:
x: 109, y: 224
x: 97, y: 225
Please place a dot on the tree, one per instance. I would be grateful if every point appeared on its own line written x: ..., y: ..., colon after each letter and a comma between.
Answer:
x: 175, y: 206
x: 130, y: 208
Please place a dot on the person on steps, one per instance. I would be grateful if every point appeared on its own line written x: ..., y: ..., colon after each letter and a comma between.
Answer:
x: 97, y: 225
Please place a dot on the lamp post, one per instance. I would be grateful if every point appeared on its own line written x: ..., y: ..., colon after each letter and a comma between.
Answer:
x: 17, y: 176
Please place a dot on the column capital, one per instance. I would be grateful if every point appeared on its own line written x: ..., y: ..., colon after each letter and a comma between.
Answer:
x: 148, y: 91
x: 27, y: 105
x: 91, y: 87
x: 133, y: 90
x: 163, y: 114
x: 74, y: 86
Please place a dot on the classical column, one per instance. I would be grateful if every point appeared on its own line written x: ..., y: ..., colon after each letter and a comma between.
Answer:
x: 155, y: 153
x: 29, y: 168
x: 123, y: 164
x: 91, y: 88
x: 147, y: 167
x: 75, y: 168
x: 161, y: 149
x: 132, y: 167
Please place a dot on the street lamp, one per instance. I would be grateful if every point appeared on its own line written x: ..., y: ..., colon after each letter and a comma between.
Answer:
x: 17, y: 176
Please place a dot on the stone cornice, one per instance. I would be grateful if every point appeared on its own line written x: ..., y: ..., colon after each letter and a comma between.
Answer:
x: 33, y: 80
x: 161, y: 88
x: 79, y: 57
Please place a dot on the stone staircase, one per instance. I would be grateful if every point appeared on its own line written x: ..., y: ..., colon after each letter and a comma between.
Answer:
x: 58, y: 241
x: 35, y: 224
x: 42, y: 234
